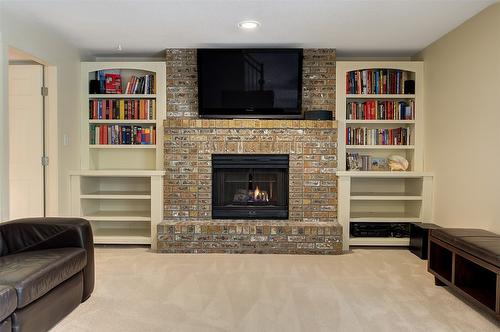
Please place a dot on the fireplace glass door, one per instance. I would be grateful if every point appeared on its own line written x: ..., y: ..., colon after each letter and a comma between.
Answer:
x: 250, y: 186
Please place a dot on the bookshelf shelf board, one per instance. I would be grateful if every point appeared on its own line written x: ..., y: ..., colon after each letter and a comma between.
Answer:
x: 382, y: 174
x: 379, y: 147
x: 118, y: 216
x: 381, y: 121
x: 118, y: 173
x: 379, y: 241
x: 384, y: 197
x: 382, y: 217
x: 124, y: 121
x: 117, y: 195
x: 379, y: 96
x: 122, y: 146
x: 122, y: 236
x: 117, y: 96
x: 385, y: 220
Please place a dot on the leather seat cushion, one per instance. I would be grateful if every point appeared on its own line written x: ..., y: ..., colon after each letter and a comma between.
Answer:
x: 3, y: 246
x: 34, y: 273
x: 477, y: 242
x: 449, y: 234
x: 6, y: 325
x: 486, y: 248
x: 8, y: 301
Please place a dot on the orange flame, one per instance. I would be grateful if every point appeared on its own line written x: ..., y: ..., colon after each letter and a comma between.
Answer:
x: 256, y: 193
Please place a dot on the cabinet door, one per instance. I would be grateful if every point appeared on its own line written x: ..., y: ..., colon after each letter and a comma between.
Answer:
x: 26, y: 187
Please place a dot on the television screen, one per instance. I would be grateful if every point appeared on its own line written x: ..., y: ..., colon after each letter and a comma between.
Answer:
x: 250, y: 83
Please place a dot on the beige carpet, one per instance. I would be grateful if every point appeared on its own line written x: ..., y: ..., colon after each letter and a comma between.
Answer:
x: 366, y: 290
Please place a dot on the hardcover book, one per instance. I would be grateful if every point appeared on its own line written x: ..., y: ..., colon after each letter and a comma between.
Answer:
x: 113, y: 83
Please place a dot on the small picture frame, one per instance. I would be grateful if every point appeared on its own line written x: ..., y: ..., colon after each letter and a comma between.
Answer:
x: 353, y: 162
x: 379, y: 164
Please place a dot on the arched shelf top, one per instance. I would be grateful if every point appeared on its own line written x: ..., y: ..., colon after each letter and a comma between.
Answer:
x: 153, y: 66
x: 116, y: 69
x: 410, y: 72
x: 129, y: 79
x: 380, y: 81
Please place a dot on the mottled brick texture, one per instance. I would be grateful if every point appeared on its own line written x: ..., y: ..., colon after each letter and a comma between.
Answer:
x: 182, y: 83
x: 312, y: 227
x: 318, y: 81
x: 311, y: 145
x: 249, y: 237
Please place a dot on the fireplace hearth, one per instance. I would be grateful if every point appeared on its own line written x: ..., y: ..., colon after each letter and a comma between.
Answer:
x: 250, y: 186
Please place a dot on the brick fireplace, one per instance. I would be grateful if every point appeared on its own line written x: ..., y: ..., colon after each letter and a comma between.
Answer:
x: 191, y: 143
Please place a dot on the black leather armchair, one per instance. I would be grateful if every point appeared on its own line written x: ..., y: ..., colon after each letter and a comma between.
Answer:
x: 46, y: 271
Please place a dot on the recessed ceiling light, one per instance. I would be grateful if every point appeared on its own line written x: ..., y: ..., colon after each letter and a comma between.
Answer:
x: 249, y: 25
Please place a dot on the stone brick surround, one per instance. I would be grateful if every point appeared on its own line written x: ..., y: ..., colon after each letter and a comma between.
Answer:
x: 189, y: 145
x: 318, y: 81
x: 312, y: 227
x: 182, y: 83
x: 250, y: 237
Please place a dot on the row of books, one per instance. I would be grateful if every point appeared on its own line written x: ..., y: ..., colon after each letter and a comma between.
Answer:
x: 376, y: 81
x: 381, y: 110
x: 122, y: 109
x: 124, y: 135
x: 358, y: 162
x: 141, y: 85
x: 110, y: 82
x: 376, y: 136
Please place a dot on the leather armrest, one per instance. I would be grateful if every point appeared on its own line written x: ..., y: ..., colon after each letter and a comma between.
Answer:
x: 48, y: 233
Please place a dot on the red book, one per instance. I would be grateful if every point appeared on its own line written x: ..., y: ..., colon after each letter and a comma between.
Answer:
x: 141, y: 109
x: 113, y: 83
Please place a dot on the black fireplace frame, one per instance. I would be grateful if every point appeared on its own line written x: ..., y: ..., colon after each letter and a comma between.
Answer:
x: 244, y: 161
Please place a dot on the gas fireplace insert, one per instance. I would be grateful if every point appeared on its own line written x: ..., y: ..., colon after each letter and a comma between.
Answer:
x: 250, y: 186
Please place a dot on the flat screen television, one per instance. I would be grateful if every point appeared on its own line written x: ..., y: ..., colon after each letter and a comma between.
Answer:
x: 250, y: 83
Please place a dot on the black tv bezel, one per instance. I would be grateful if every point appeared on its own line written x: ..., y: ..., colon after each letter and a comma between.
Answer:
x: 239, y: 113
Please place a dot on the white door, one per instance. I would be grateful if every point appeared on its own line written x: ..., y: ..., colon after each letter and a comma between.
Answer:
x: 26, y: 190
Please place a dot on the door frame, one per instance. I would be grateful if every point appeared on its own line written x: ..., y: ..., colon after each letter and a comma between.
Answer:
x: 51, y: 143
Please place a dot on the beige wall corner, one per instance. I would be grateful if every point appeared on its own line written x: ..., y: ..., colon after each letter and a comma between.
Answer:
x: 462, y: 117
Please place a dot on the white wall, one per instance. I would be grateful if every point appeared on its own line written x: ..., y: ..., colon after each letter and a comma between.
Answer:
x: 462, y: 122
x: 54, y: 50
x: 4, y: 175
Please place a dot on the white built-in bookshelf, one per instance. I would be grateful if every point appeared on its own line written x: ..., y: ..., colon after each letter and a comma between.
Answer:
x: 119, y: 187
x: 375, y: 122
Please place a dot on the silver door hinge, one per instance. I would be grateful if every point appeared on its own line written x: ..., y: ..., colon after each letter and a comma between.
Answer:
x: 45, y: 91
x: 45, y: 161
